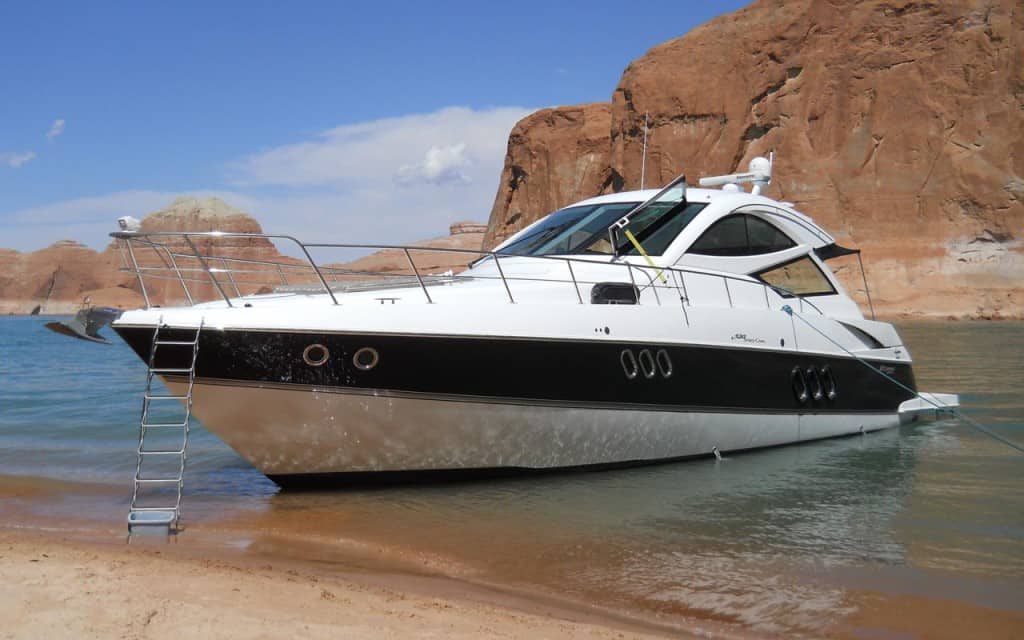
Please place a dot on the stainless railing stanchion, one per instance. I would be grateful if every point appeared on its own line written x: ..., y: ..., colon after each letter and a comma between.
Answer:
x: 135, y: 264
x: 497, y: 263
x: 231, y: 277
x: 317, y: 269
x: 575, y: 284
x: 181, y: 279
x: 629, y: 268
x: 418, y: 277
x: 206, y: 267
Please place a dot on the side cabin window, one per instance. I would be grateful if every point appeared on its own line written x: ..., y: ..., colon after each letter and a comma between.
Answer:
x: 800, y: 277
x: 741, y: 235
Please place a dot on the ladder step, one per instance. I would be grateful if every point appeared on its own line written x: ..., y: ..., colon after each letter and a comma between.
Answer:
x: 151, y: 397
x: 176, y: 343
x: 152, y: 517
x: 156, y: 480
x: 161, y: 452
x: 163, y: 425
x: 160, y: 370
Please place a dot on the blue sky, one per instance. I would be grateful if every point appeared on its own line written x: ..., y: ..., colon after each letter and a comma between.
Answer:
x: 371, y: 121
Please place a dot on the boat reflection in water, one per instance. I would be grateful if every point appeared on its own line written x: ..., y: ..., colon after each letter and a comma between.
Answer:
x: 771, y: 539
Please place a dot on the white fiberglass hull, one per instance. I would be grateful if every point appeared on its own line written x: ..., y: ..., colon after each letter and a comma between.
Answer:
x: 292, y: 432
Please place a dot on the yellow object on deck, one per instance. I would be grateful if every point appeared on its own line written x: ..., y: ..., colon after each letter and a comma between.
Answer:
x: 636, y: 243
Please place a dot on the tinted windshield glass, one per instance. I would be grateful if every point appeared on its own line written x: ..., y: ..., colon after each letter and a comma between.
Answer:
x: 584, y: 229
x: 570, y: 230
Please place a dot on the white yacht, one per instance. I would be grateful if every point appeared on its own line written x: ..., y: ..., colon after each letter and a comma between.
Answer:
x: 625, y: 329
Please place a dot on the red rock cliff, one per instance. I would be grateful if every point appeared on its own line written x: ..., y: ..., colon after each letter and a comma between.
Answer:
x: 898, y: 125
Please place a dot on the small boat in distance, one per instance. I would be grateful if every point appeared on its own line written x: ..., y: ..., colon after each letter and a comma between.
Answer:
x: 628, y: 328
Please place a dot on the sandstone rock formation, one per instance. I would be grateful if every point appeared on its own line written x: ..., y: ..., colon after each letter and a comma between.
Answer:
x: 57, y: 279
x: 554, y: 156
x: 205, y: 214
x: 898, y: 125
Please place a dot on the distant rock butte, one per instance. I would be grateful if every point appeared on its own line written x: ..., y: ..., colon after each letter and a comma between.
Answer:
x: 57, y: 279
x: 898, y: 125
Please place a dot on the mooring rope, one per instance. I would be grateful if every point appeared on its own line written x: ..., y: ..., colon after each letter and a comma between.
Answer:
x: 953, y: 410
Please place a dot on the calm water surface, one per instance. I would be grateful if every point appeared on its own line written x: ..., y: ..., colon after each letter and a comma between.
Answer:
x: 775, y: 540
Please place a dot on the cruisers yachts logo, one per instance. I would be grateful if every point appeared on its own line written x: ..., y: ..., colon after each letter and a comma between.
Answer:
x: 742, y: 337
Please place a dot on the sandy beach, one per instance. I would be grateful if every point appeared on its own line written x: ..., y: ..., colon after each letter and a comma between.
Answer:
x: 56, y: 588
x: 87, y: 581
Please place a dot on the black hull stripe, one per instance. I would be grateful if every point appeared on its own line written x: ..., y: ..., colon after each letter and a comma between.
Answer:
x: 510, y: 338
x: 581, y: 372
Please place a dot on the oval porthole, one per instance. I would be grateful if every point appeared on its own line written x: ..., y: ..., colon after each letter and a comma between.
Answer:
x: 366, y: 358
x: 315, y: 355
x: 664, y: 363
x: 629, y: 366
x: 647, y: 364
x: 828, y: 382
x: 799, y: 383
x: 814, y: 384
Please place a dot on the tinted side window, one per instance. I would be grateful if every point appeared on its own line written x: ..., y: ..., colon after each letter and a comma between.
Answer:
x: 765, y: 237
x: 727, y: 237
x: 741, y: 235
x: 801, y: 277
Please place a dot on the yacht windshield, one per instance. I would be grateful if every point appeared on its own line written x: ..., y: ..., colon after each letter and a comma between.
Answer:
x: 584, y: 229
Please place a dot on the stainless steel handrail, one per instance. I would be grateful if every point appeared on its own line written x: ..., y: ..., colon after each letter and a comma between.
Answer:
x: 147, y: 238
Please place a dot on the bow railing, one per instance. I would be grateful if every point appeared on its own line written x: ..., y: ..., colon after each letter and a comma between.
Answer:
x: 166, y: 262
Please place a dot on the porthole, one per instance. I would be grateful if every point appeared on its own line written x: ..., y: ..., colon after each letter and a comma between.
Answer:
x: 629, y: 365
x: 799, y: 384
x: 828, y: 382
x: 366, y: 358
x: 664, y: 363
x: 814, y: 384
x: 315, y: 355
x: 647, y: 364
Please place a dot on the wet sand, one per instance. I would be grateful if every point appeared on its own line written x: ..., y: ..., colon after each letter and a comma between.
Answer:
x: 53, y: 588
x: 68, y: 576
x: 62, y: 576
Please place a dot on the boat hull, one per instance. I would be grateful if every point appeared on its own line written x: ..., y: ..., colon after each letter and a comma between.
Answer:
x: 303, y: 405
x: 296, y: 435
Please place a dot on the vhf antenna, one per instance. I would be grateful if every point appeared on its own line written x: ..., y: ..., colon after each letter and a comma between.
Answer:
x: 643, y: 159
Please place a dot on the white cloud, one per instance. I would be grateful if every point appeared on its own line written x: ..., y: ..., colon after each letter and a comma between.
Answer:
x: 56, y: 129
x: 14, y: 159
x: 393, y: 180
x: 375, y: 151
x: 440, y: 165
x: 390, y: 180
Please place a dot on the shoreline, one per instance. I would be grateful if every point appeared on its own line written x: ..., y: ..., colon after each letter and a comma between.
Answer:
x: 397, y: 590
x: 65, y: 571
x: 54, y: 587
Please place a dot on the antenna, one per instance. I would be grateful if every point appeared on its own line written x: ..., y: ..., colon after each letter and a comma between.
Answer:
x: 643, y: 158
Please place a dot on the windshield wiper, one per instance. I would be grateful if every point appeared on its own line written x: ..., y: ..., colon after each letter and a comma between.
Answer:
x: 624, y: 220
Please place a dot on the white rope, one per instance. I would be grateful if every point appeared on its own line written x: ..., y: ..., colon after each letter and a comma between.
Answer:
x: 973, y: 423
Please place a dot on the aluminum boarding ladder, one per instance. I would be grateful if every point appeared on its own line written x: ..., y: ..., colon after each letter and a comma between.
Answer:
x: 160, y: 469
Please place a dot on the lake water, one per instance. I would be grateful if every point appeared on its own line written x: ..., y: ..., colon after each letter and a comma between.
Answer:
x: 779, y: 541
